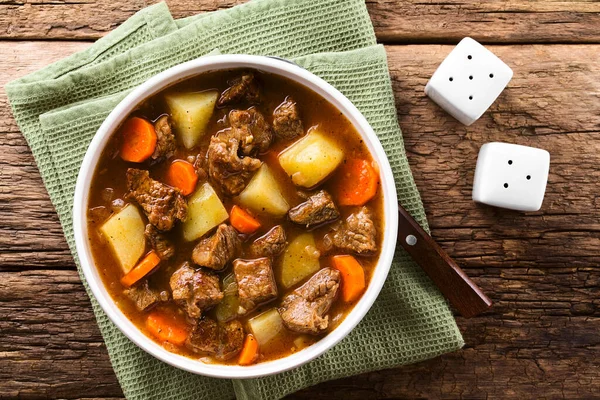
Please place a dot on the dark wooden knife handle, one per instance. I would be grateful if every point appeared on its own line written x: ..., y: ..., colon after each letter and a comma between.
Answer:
x: 461, y: 291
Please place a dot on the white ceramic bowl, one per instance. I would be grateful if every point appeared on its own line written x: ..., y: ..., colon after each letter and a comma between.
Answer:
x: 168, y: 78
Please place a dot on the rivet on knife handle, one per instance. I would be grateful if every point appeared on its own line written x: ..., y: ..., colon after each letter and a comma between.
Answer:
x: 452, y: 281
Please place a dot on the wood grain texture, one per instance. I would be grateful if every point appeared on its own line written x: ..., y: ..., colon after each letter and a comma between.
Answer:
x: 409, y: 21
x: 542, y: 337
x: 25, y: 208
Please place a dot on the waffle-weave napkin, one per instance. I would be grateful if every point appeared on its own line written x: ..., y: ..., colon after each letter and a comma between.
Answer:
x: 60, y: 107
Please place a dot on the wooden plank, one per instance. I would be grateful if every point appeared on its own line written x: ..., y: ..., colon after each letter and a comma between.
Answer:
x: 50, y: 346
x: 512, y: 21
x: 541, y: 269
x: 22, y: 194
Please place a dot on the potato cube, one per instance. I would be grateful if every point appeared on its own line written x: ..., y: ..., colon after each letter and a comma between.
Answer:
x: 266, y: 326
x: 191, y: 113
x: 263, y: 194
x: 300, y: 260
x: 205, y: 211
x: 124, y: 231
x: 311, y: 159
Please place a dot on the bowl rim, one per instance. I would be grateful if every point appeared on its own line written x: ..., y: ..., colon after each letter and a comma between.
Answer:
x: 184, y: 71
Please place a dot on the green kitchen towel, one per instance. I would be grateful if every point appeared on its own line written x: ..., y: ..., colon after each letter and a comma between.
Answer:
x: 60, y: 108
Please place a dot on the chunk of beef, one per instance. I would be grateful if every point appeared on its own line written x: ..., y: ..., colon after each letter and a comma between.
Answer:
x: 232, y: 339
x: 304, y: 309
x: 159, y: 242
x: 143, y: 297
x: 165, y: 139
x: 204, y: 337
x: 318, y: 209
x: 271, y: 244
x: 222, y: 341
x: 162, y: 204
x: 252, y: 122
x: 357, y: 234
x: 242, y: 88
x: 195, y: 291
x: 286, y: 120
x: 256, y: 282
x: 227, y: 164
x: 217, y: 250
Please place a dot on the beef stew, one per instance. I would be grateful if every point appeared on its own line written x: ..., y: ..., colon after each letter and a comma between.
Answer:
x: 236, y: 217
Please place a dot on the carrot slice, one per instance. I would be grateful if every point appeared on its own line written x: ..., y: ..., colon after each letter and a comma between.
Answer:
x: 353, y: 277
x: 139, y: 140
x: 167, y: 327
x: 249, y: 352
x: 143, y: 268
x: 357, y: 183
x: 182, y: 175
x: 242, y: 221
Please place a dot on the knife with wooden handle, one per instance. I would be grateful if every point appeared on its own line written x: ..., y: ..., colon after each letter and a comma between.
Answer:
x: 452, y: 281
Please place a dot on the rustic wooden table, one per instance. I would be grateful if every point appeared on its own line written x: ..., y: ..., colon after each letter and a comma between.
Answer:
x: 542, y: 337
